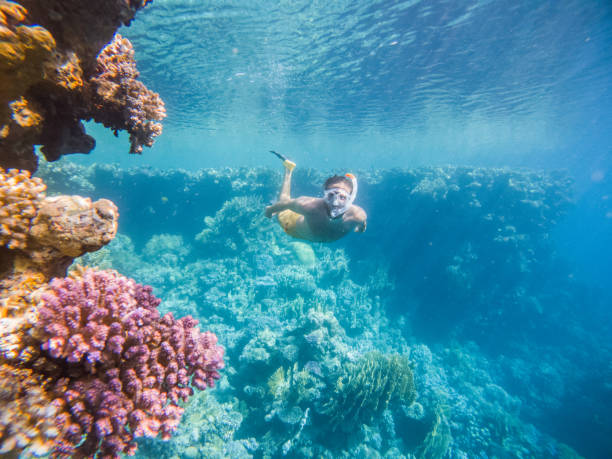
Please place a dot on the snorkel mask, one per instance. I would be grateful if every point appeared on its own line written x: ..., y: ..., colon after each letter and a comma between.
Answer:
x: 338, y: 200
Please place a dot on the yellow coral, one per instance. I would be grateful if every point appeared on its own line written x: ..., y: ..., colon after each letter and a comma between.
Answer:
x: 67, y: 74
x: 23, y: 114
x: 19, y: 197
x: 24, y: 50
x: 11, y: 12
x: 20, y: 290
x: 27, y: 414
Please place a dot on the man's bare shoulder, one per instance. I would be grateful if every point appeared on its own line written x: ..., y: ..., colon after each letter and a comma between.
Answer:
x: 357, y: 213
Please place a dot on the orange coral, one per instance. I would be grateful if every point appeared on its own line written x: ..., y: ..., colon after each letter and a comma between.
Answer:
x: 68, y: 73
x: 27, y: 415
x: 23, y: 114
x: 19, y: 198
x: 23, y: 52
x: 27, y: 419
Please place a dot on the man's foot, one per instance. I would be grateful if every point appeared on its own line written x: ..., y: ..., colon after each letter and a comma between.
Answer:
x: 289, y: 165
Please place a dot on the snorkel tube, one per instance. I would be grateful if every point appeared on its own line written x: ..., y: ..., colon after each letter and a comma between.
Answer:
x: 353, y: 195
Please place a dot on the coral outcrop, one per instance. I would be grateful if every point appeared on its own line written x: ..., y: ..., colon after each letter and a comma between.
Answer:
x: 120, y: 101
x: 366, y: 388
x: 20, y: 198
x: 43, y: 234
x: 54, y: 73
x: 87, y: 362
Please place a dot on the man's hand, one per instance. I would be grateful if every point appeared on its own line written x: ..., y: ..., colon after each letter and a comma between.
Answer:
x: 269, y: 211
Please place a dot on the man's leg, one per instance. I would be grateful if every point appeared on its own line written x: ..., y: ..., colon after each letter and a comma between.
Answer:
x: 285, y: 193
x: 287, y: 218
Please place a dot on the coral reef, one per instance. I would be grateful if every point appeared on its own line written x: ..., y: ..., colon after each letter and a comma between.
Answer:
x: 87, y: 362
x: 43, y: 234
x: 53, y: 75
x: 206, y: 431
x: 295, y: 319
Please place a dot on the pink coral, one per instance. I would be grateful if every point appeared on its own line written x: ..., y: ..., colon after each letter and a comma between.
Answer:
x: 126, y: 366
x: 120, y: 101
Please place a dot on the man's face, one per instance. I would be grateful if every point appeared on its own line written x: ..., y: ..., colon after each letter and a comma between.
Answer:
x: 336, y: 197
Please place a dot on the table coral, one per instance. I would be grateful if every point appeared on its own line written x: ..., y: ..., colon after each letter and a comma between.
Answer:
x: 53, y: 75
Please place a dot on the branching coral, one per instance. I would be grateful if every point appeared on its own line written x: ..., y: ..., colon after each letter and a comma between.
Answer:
x: 52, y: 75
x: 123, y: 367
x: 367, y: 387
x: 120, y: 101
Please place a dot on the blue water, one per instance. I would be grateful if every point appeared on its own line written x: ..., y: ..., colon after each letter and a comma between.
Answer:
x: 481, y: 135
x: 393, y: 83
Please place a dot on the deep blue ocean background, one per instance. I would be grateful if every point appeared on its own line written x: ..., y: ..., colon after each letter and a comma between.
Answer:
x: 481, y: 133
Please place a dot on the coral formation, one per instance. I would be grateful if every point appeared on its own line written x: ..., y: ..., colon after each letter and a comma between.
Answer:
x: 438, y: 439
x: 28, y: 416
x: 20, y: 198
x: 43, y: 234
x: 101, y: 323
x: 120, y: 101
x: 366, y: 388
x: 53, y: 75
x: 87, y: 363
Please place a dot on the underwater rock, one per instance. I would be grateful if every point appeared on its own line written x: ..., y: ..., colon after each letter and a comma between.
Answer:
x: 45, y: 233
x: 74, y: 225
x: 304, y: 254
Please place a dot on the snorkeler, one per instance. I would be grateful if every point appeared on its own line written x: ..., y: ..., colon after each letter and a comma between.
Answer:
x: 323, y: 219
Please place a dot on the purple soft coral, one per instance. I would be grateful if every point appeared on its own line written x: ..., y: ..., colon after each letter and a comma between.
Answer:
x: 128, y: 366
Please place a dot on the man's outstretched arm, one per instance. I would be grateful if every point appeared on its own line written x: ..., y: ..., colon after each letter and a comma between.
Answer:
x: 300, y: 205
x: 359, y: 218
